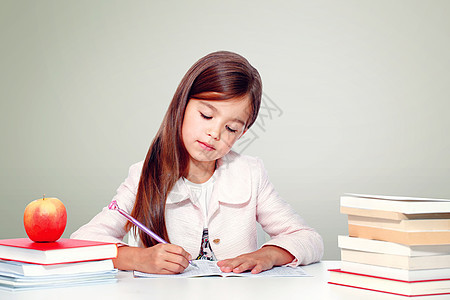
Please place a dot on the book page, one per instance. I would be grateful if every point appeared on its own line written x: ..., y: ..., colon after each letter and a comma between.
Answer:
x: 203, y: 268
x: 284, y: 271
x: 396, y: 198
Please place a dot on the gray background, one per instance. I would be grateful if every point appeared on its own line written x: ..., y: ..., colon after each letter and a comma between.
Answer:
x: 362, y: 90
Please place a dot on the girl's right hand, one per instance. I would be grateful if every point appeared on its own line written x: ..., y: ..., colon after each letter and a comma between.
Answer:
x: 158, y: 259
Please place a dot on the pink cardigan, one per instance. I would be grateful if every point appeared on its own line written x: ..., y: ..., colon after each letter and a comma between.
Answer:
x: 241, y: 197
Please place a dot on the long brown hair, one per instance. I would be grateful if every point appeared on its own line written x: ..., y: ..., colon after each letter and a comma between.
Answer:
x: 217, y: 76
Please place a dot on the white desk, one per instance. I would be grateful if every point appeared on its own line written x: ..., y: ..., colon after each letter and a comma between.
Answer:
x: 214, y: 288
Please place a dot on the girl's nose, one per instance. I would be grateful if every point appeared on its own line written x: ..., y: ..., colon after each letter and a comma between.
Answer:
x: 214, y: 132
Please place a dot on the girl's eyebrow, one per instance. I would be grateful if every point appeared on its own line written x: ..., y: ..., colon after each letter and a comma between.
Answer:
x: 209, y: 105
x: 213, y: 108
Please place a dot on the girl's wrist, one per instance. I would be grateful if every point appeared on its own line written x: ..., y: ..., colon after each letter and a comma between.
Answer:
x: 128, y: 258
x: 139, y: 258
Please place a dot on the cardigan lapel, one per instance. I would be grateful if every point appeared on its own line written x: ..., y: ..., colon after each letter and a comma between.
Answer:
x: 179, y: 192
x: 233, y: 183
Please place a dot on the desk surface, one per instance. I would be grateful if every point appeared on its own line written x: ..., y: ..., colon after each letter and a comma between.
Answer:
x: 216, y: 288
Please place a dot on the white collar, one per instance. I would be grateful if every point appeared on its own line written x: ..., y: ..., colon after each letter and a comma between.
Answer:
x: 232, y: 182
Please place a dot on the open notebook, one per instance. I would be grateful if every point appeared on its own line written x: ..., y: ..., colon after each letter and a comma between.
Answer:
x: 202, y: 268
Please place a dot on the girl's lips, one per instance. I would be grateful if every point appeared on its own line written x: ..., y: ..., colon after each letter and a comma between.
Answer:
x: 206, y: 146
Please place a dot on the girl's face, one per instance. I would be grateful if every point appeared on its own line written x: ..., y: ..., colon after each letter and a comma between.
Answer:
x: 211, y: 127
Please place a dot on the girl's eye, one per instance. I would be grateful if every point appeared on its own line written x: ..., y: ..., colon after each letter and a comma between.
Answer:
x: 231, y: 130
x: 205, y: 116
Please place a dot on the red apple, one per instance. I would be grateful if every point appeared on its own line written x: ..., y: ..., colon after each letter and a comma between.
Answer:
x: 45, y: 219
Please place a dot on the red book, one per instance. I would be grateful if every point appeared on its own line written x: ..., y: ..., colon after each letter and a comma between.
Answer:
x: 390, y: 286
x: 61, y: 251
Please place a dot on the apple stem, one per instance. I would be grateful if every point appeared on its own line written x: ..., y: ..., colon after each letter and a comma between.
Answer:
x: 43, y: 197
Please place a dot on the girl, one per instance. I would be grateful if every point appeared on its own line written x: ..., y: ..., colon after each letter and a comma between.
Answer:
x: 193, y: 191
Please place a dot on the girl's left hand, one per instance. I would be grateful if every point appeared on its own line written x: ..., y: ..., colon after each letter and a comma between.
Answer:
x: 263, y: 259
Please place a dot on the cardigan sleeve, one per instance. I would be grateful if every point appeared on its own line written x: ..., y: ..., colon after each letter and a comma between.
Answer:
x: 109, y: 225
x: 285, y: 227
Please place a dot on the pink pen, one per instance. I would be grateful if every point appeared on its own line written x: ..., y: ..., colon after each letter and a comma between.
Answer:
x: 113, y: 206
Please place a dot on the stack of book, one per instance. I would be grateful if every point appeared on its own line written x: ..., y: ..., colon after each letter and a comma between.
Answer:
x: 26, y: 265
x: 397, y: 245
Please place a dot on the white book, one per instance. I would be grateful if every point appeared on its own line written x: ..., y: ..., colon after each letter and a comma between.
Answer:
x: 397, y: 261
x: 26, y: 269
x: 406, y: 205
x: 395, y: 273
x: 20, y: 282
x: 354, y: 243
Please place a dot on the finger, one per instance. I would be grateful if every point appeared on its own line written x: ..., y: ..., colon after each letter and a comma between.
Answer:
x: 244, y: 266
x: 174, y: 249
x: 225, y: 262
x: 226, y: 265
x: 258, y: 269
x: 170, y: 256
x: 230, y: 264
x: 170, y: 270
x: 175, y: 254
x: 221, y: 263
x: 174, y: 263
x: 226, y: 268
x: 177, y: 259
x: 174, y: 268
